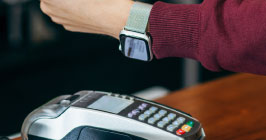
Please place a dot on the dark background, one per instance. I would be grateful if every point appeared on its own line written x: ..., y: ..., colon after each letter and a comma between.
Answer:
x: 39, y: 60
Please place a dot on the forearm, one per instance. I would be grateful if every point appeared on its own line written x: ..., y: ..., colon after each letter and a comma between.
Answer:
x: 90, y: 16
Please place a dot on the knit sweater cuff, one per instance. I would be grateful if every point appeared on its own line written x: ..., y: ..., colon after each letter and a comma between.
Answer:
x: 175, y: 30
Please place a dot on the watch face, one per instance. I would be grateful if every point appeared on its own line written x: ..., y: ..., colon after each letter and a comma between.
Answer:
x: 135, y: 48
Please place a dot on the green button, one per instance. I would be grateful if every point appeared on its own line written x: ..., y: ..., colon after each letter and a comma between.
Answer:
x: 190, y: 123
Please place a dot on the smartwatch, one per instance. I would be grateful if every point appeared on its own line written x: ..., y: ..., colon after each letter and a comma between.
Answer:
x: 135, y: 42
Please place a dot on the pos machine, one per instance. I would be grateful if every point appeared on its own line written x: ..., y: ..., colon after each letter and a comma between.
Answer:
x: 94, y: 115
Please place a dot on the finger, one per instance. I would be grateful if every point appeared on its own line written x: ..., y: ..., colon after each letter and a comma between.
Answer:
x: 45, y: 9
x: 63, y: 21
x: 69, y: 22
x: 54, y: 3
x: 52, y: 10
x: 48, y: 1
x: 73, y: 28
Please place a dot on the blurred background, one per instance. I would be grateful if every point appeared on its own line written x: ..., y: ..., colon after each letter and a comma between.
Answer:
x: 39, y: 60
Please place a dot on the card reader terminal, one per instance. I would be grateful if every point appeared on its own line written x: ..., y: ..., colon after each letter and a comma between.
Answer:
x: 94, y: 115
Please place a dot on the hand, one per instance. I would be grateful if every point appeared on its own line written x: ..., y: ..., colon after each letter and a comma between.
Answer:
x: 90, y: 16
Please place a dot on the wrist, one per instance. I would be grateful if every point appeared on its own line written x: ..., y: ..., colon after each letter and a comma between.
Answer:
x: 119, y: 19
x: 135, y: 42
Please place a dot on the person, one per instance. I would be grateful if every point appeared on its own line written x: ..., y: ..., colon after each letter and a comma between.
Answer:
x: 221, y: 34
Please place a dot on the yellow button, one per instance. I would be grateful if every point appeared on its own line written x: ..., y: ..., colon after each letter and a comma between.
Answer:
x: 186, y: 128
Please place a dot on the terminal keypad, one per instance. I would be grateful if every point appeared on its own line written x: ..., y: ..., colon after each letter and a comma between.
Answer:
x: 170, y: 121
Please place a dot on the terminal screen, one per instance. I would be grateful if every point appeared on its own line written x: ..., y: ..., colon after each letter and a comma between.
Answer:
x: 110, y: 104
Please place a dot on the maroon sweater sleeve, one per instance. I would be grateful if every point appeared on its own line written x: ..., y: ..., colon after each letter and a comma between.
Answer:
x: 221, y: 34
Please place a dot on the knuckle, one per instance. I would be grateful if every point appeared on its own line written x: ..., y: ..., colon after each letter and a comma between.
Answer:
x: 55, y: 20
x: 44, y: 8
x: 67, y: 28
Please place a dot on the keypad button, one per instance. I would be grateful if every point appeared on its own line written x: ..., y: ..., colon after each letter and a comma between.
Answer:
x: 144, y: 105
x: 180, y: 132
x: 166, y: 119
x: 186, y: 128
x: 161, y: 124
x: 153, y: 109
x: 148, y: 112
x: 157, y: 116
x: 176, y: 123
x: 162, y: 112
x: 171, y: 116
x: 171, y: 127
x: 141, y: 107
x: 181, y: 119
x: 190, y: 123
x: 151, y: 120
x: 136, y: 111
x: 130, y: 115
x: 142, y: 117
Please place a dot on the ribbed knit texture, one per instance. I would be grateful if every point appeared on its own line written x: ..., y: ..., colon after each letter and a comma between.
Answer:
x: 174, y: 25
x: 221, y: 34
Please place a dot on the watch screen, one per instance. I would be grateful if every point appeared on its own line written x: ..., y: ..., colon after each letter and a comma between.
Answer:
x: 135, y: 48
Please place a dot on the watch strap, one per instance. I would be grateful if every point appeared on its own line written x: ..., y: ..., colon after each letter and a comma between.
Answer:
x: 139, y: 17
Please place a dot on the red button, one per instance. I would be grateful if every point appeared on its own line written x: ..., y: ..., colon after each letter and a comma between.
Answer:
x: 180, y: 132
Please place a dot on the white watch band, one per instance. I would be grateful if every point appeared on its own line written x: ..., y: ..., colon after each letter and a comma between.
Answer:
x: 139, y: 17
